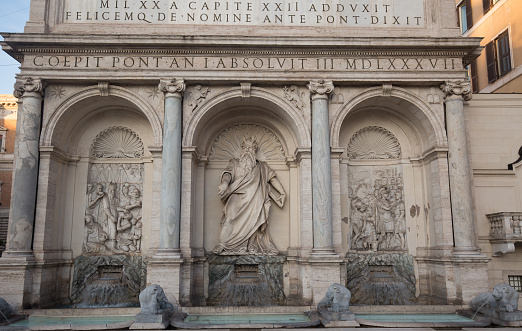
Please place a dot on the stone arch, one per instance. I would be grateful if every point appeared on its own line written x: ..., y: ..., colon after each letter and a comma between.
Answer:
x: 431, y: 124
x: 291, y: 118
x: 49, y: 129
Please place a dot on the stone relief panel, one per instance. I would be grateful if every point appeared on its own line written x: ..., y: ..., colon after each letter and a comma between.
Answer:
x: 113, y: 212
x: 195, y: 96
x: 377, y: 210
x: 227, y: 144
x: 296, y: 97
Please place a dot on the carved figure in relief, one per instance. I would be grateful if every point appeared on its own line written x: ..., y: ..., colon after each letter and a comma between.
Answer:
x: 113, y: 219
x: 108, y: 220
x: 400, y: 219
x: 94, y: 236
x: 377, y: 215
x: 247, y: 188
x: 295, y: 97
x: 197, y: 95
x: 22, y: 233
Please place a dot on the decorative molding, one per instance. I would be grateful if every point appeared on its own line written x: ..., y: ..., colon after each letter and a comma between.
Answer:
x: 153, y: 92
x: 320, y: 88
x: 227, y: 144
x: 172, y: 85
x: 196, y: 95
x: 28, y: 84
x: 246, y: 90
x: 131, y: 51
x: 56, y: 91
x: 104, y: 89
x: 117, y: 142
x: 374, y: 143
x: 457, y: 89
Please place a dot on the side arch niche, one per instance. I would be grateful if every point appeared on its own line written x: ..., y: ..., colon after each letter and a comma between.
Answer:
x: 111, y: 269
x: 393, y: 187
x: 95, y: 192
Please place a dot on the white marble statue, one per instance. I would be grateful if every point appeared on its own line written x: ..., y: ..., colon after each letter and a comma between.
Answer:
x: 247, y: 188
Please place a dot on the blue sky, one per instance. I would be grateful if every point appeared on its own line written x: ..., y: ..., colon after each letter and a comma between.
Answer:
x: 13, y: 16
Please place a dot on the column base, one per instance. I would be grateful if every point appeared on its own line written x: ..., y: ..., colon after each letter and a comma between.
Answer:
x: 323, y: 252
x: 16, y: 277
x: 168, y: 253
x: 472, y: 252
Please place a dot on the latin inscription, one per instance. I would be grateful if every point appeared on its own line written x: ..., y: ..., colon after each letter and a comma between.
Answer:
x: 244, y: 63
x: 348, y: 13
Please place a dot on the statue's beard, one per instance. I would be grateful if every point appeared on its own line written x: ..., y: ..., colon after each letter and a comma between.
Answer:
x: 247, y: 160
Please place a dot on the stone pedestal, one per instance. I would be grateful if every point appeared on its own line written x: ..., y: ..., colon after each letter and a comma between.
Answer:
x: 151, y: 322
x: 165, y: 271
x: 323, y: 273
x: 502, y: 317
x: 341, y: 320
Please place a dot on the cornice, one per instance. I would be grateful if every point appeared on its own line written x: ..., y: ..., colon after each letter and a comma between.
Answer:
x: 228, y: 52
x: 288, y: 45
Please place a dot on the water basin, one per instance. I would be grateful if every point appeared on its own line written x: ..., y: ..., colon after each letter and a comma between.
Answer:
x: 80, y: 320
x: 414, y: 318
x: 247, y: 319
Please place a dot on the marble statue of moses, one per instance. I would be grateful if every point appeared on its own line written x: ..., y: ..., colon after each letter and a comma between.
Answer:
x: 247, y: 188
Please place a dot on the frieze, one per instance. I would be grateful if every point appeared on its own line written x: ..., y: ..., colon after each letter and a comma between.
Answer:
x: 241, y: 63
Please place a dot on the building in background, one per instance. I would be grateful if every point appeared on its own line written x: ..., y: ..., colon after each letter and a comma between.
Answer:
x: 8, y: 113
x: 498, y: 69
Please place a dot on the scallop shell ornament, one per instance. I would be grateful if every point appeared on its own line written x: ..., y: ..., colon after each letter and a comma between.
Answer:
x: 373, y: 143
x: 117, y: 142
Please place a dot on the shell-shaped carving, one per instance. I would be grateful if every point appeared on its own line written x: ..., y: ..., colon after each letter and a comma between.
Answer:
x: 117, y: 142
x: 227, y: 144
x: 374, y: 143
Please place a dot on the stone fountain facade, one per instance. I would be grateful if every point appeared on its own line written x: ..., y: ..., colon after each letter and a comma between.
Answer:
x: 132, y: 113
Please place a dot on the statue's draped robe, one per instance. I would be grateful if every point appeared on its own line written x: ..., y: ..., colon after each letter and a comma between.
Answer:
x: 247, y: 204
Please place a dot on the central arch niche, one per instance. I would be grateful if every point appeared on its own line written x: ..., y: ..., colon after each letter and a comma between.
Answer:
x: 227, y: 146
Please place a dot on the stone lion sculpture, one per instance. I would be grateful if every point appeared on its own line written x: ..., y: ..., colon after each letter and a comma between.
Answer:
x: 336, y: 300
x: 504, y: 298
x: 154, y: 301
x: 6, y: 309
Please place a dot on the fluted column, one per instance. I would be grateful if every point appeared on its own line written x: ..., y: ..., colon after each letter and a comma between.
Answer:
x: 459, y: 166
x: 321, y: 169
x: 25, y: 176
x: 171, y: 166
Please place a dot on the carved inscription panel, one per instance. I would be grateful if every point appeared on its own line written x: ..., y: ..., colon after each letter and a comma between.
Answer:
x: 338, y: 13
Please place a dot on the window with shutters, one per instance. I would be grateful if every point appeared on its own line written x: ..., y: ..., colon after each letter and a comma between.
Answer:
x: 487, y: 4
x: 465, y: 15
x: 473, y: 76
x: 498, y: 57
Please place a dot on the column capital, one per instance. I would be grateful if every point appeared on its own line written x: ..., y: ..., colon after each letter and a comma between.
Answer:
x: 456, y: 89
x: 320, y: 89
x: 28, y: 85
x: 172, y: 86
